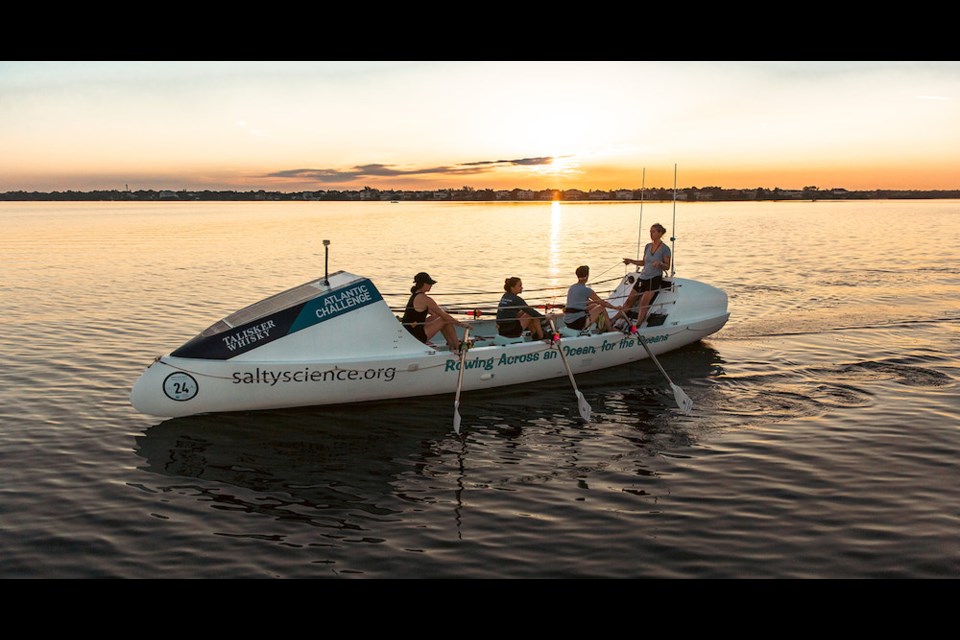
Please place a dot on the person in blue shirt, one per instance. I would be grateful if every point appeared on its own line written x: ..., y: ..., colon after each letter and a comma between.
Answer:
x: 584, y: 306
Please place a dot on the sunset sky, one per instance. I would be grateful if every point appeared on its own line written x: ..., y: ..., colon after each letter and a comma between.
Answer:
x: 294, y: 126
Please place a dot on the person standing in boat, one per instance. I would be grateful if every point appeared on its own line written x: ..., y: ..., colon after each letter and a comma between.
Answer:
x: 423, y: 317
x: 656, y: 260
x: 584, y: 306
x: 514, y: 315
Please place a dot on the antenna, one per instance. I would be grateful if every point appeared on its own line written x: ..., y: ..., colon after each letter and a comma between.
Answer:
x: 673, y: 226
x: 643, y: 182
x: 326, y: 262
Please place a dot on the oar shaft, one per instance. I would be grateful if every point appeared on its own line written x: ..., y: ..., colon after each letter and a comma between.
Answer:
x: 563, y: 356
x: 456, y: 401
x: 683, y: 400
x: 582, y: 403
x: 567, y: 365
x: 654, y: 358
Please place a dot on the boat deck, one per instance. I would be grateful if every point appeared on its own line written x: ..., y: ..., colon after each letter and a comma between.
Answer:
x: 484, y: 334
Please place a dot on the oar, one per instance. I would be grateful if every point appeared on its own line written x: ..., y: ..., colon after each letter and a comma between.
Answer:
x: 581, y: 401
x: 456, y: 402
x: 683, y: 400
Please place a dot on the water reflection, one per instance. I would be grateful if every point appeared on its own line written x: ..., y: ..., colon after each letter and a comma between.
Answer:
x: 323, y: 459
x: 311, y: 463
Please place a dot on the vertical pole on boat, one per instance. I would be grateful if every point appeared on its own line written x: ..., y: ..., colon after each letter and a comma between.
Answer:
x: 683, y: 400
x: 326, y: 262
x: 581, y: 401
x: 643, y: 182
x: 456, y: 402
x: 673, y: 226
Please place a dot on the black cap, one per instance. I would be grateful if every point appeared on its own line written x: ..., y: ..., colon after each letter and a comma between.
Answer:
x: 423, y: 278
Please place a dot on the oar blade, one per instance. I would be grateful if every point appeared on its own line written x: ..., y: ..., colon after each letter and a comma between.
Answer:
x: 683, y: 400
x: 456, y: 417
x: 584, y: 407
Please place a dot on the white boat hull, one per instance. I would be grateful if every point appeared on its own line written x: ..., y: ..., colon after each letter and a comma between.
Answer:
x: 283, y: 374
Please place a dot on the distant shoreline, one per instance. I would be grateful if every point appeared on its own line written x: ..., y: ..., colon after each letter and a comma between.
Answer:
x: 467, y: 194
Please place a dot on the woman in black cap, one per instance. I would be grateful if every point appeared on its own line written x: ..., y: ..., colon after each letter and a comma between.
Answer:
x: 423, y: 317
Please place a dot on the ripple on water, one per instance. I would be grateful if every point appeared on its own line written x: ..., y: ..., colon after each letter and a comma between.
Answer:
x: 758, y: 399
x: 910, y: 375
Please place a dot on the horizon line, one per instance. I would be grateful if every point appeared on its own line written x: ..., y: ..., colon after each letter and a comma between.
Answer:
x: 468, y: 189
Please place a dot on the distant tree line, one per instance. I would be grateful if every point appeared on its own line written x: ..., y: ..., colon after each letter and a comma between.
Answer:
x: 689, y: 194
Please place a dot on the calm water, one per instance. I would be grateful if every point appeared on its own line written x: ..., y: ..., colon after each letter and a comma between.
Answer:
x: 824, y: 440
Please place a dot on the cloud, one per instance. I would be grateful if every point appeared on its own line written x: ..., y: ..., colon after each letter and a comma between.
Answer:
x: 365, y: 171
x: 260, y: 133
x: 521, y: 161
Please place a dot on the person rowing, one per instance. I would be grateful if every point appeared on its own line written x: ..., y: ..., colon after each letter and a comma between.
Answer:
x: 424, y: 318
x: 514, y: 315
x: 584, y: 306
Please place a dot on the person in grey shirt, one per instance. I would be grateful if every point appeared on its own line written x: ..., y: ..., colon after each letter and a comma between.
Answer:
x: 584, y: 306
x: 656, y: 260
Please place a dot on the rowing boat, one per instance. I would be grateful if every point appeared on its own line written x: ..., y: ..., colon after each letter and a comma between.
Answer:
x: 335, y: 340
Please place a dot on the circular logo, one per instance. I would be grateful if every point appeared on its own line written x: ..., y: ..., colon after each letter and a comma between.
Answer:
x: 180, y: 386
